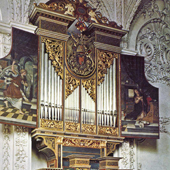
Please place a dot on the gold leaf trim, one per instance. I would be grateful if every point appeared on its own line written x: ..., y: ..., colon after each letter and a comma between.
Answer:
x: 90, y: 86
x: 105, y: 60
x: 70, y: 84
x: 104, y: 130
x: 89, y: 129
x: 111, y: 146
x: 52, y: 124
x: 55, y: 49
x: 59, y: 6
x: 72, y: 127
x: 84, y: 143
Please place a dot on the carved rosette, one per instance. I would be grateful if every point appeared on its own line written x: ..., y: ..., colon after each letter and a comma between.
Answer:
x: 89, y: 129
x: 55, y: 48
x: 71, y: 84
x: 51, y: 124
x: 74, y: 142
x: 72, y: 127
x: 90, y: 85
x: 105, y: 60
x: 104, y: 130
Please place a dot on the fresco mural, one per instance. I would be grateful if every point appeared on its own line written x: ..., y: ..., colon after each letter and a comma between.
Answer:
x: 140, y: 112
x: 18, y: 80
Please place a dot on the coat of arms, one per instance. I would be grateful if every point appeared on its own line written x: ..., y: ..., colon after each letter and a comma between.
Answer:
x: 80, y: 55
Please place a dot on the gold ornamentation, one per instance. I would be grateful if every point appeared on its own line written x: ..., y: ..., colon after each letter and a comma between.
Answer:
x: 51, y: 124
x: 70, y: 84
x: 59, y: 140
x: 84, y: 143
x: 54, y: 6
x: 111, y: 146
x: 80, y: 58
x: 90, y: 129
x: 50, y: 142
x: 47, y: 145
x: 70, y: 9
x: 72, y: 127
x: 105, y: 60
x: 90, y: 86
x: 55, y: 49
x: 104, y: 130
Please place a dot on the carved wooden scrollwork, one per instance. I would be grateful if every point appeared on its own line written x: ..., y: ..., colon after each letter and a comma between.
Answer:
x: 90, y: 129
x: 90, y: 85
x: 55, y: 49
x: 105, y: 60
x: 104, y: 130
x: 54, y: 6
x: 47, y: 145
x: 111, y: 146
x: 51, y: 124
x: 71, y: 84
x: 75, y: 142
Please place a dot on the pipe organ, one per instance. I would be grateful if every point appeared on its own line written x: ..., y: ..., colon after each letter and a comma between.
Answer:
x: 79, y: 87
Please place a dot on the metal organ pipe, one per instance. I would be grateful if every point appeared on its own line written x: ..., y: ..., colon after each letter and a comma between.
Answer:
x: 72, y: 107
x: 107, y: 98
x: 51, y: 90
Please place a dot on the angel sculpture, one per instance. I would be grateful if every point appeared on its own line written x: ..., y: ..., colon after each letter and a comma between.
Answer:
x: 14, y: 81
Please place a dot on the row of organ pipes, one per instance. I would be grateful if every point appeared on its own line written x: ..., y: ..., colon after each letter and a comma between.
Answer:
x: 51, y: 97
x: 51, y: 90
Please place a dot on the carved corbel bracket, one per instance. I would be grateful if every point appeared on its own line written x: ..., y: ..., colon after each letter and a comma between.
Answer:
x: 47, y: 145
x: 110, y: 146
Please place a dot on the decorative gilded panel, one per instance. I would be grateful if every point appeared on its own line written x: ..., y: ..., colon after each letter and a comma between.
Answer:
x: 74, y: 142
x: 104, y: 130
x: 71, y: 84
x: 90, y: 129
x: 90, y: 86
x: 51, y: 124
x: 105, y: 60
x: 55, y: 49
x: 80, y: 58
x: 72, y: 127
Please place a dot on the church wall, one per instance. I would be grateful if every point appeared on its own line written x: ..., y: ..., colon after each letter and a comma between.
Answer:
x: 153, y: 154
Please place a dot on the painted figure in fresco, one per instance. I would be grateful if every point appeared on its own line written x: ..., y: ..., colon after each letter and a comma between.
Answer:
x: 14, y: 94
x: 140, y: 107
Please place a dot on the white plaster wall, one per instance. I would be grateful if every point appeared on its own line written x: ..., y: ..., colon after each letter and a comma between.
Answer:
x: 151, y: 153
x: 38, y: 159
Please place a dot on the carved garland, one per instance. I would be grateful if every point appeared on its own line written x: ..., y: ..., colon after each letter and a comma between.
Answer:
x: 105, y: 60
x: 55, y: 49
